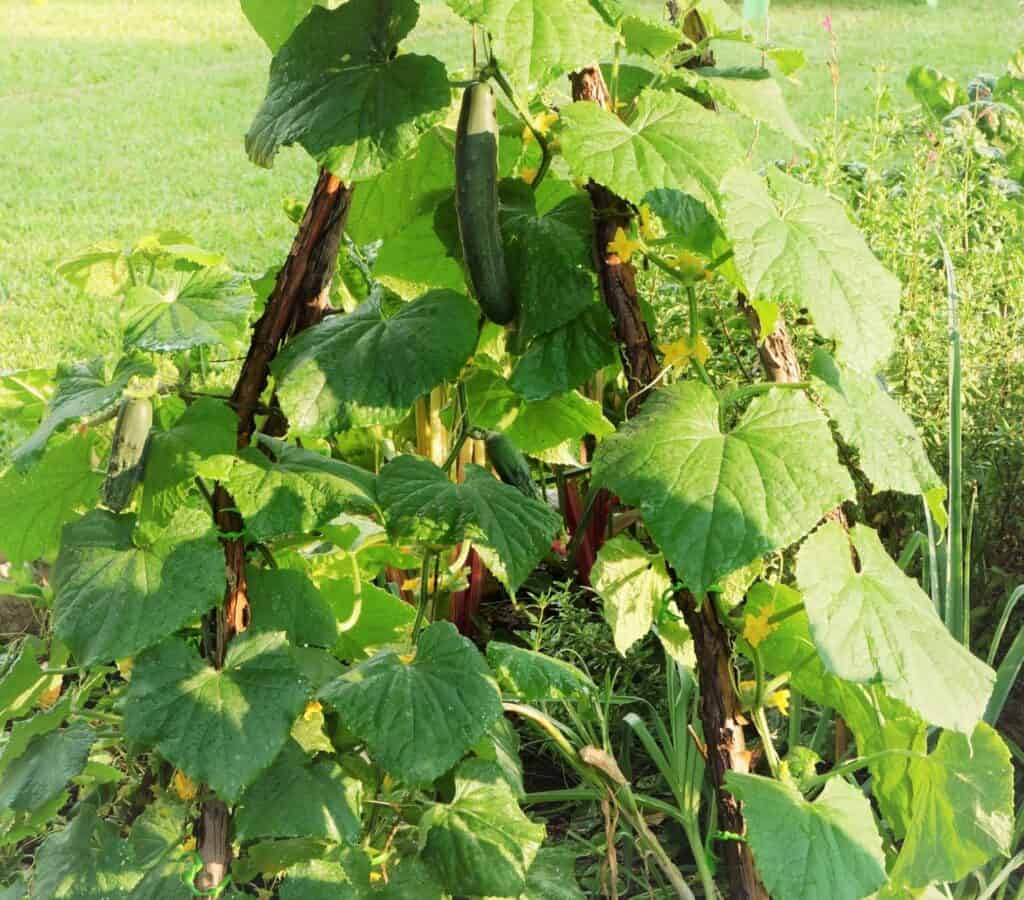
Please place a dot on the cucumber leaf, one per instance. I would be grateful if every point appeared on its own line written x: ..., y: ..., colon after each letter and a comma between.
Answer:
x: 366, y: 620
x: 481, y: 843
x: 670, y: 142
x: 339, y: 88
x: 828, y: 848
x: 50, y: 761
x: 238, y: 718
x: 632, y: 584
x: 714, y: 501
x: 549, y: 248
x: 299, y: 797
x: 83, y: 389
x: 296, y: 492
x: 286, y: 600
x: 365, y: 369
x: 962, y: 809
x: 534, y: 677
x: 891, y: 452
x: 552, y: 429
x: 563, y: 359
x: 512, y: 533
x: 536, y: 40
x: 275, y: 20
x: 203, y: 308
x: 793, y: 242
x: 419, y: 716
x: 424, y: 255
x: 875, y: 623
x: 114, y: 597
x: 47, y: 496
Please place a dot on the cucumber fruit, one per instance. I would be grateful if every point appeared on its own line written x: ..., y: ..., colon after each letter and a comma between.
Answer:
x: 128, y: 451
x: 476, y: 202
x: 511, y: 465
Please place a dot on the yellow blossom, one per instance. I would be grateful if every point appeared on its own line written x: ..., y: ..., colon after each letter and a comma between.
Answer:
x: 542, y: 122
x: 528, y: 174
x: 376, y: 877
x: 780, y: 700
x: 189, y: 844
x: 124, y: 666
x: 50, y: 696
x: 623, y: 247
x: 680, y: 352
x: 184, y: 787
x: 313, y: 709
x: 757, y: 628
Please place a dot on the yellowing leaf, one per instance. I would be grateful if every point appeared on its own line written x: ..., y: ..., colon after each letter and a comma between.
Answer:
x: 767, y: 316
x: 757, y: 628
x: 623, y: 247
x: 184, y: 787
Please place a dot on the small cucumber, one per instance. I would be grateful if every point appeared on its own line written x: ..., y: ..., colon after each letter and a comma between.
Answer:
x: 511, y: 465
x: 476, y: 202
x: 127, y: 453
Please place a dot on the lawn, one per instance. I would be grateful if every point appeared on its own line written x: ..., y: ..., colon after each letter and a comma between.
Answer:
x: 121, y: 117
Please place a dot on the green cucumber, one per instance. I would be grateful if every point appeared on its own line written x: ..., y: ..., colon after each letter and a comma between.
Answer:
x: 128, y: 452
x: 476, y: 202
x: 511, y: 465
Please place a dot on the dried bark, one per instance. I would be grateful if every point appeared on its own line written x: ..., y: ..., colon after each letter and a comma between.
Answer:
x: 299, y: 300
x: 617, y: 277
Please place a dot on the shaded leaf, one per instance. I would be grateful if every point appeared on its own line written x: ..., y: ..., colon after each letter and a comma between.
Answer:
x: 419, y: 717
x: 50, y: 761
x: 534, y: 677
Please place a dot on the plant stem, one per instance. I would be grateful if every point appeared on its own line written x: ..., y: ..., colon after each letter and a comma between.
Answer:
x: 424, y: 600
x: 524, y: 114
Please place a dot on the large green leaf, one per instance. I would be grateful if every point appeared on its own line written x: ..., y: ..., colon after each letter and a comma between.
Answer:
x: 114, y: 597
x: 512, y: 533
x: 367, y: 618
x: 807, y: 851
x: 275, y: 20
x: 365, y: 369
x: 410, y: 188
x: 201, y: 442
x: 632, y: 584
x: 286, y: 600
x: 49, y: 762
x: 962, y: 810
x: 23, y: 396
x: 84, y: 389
x: 534, y: 677
x: 297, y: 491
x: 689, y: 226
x: 481, y: 842
x: 561, y: 360
x: 552, y: 876
x: 793, y: 242
x: 24, y: 730
x: 553, y: 429
x: 219, y: 727
x: 44, y: 498
x: 548, y: 244
x: 339, y: 87
x: 714, y: 501
x: 891, y: 452
x: 424, y: 255
x: 419, y: 716
x: 323, y: 879
x: 89, y: 860
x: 875, y: 623
x: 297, y: 797
x: 751, y: 92
x: 22, y: 679
x: 536, y: 40
x: 878, y: 722
x: 670, y: 142
x: 202, y: 308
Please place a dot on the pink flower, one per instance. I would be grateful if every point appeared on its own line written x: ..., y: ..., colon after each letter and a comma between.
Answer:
x: 826, y: 23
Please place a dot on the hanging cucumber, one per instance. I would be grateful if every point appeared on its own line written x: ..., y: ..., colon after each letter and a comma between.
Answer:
x: 510, y: 464
x: 476, y: 201
x: 128, y: 451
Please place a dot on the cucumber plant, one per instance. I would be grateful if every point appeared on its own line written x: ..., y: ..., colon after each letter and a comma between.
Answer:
x: 235, y: 694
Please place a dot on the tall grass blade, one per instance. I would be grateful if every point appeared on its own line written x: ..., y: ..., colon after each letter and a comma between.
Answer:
x: 1006, y: 675
x: 1004, y: 620
x: 956, y: 619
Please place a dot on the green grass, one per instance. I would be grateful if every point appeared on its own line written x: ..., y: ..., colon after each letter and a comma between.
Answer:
x: 121, y: 117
